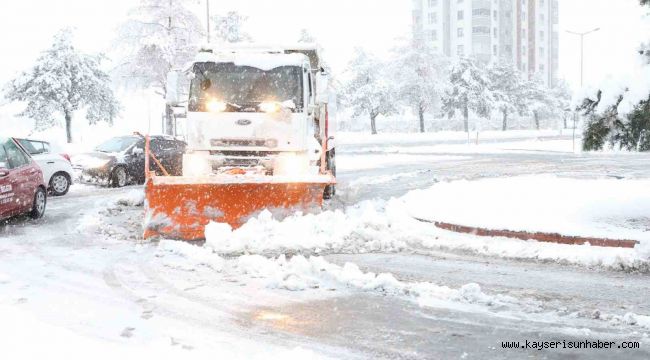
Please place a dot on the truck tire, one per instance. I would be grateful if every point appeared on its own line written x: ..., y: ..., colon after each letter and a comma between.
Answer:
x: 39, y: 204
x: 330, y: 190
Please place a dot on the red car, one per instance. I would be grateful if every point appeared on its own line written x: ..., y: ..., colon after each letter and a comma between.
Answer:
x: 22, y: 189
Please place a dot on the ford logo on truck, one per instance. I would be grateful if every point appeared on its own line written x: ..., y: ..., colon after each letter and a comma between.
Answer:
x: 244, y: 122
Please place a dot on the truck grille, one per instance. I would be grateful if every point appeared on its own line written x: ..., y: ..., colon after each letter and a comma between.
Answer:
x: 242, y: 143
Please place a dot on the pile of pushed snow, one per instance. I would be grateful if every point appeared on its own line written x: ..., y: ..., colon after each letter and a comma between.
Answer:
x: 537, y: 203
x: 602, y: 208
x: 133, y: 197
x: 366, y: 227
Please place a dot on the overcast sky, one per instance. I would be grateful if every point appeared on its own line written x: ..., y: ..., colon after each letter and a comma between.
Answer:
x: 340, y: 25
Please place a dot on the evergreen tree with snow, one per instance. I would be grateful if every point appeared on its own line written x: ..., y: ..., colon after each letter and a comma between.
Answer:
x: 469, y: 91
x: 507, y: 88
x: 421, y: 77
x: 62, y: 81
x: 159, y: 36
x: 229, y: 28
x: 369, y: 90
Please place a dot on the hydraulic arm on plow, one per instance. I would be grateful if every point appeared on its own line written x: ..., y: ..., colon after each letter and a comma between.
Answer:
x: 259, y: 138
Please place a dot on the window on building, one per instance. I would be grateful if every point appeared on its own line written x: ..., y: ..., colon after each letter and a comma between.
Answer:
x: 460, y: 50
x: 542, y: 18
x: 495, y: 15
x: 541, y: 35
x: 461, y: 15
x: 433, y: 35
x: 433, y: 3
x: 495, y: 50
x: 496, y: 33
x: 541, y: 51
x: 541, y: 67
x: 433, y: 18
x: 541, y: 2
x: 460, y: 32
x: 481, y: 12
x: 480, y: 30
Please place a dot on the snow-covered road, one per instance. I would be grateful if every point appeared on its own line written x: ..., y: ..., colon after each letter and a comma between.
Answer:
x: 82, y: 275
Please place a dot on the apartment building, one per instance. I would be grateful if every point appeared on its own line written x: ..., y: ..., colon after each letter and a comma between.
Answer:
x: 522, y: 31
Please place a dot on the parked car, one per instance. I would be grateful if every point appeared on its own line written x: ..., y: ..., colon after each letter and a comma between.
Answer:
x: 120, y: 160
x: 22, y: 188
x: 57, y: 168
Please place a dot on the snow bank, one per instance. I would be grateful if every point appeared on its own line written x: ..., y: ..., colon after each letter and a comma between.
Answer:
x: 362, y: 138
x: 532, y: 203
x: 199, y: 256
x: 606, y: 208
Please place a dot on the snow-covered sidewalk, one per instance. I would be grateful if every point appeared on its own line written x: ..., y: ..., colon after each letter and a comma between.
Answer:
x: 602, y: 208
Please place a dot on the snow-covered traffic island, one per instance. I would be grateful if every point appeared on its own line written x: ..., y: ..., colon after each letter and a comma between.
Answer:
x: 369, y: 276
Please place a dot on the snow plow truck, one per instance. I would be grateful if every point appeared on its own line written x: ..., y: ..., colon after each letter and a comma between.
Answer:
x: 258, y: 136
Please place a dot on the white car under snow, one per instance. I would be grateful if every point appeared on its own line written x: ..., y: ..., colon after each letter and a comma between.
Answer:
x: 57, y: 169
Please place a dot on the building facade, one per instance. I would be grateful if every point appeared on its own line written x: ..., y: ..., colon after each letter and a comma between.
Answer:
x: 524, y: 32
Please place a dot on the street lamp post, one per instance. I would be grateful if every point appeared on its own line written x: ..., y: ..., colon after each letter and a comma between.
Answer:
x: 582, y: 72
x: 582, y: 50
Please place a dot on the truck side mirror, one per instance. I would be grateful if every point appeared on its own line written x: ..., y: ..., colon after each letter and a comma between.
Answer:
x: 173, y: 93
x: 322, y: 88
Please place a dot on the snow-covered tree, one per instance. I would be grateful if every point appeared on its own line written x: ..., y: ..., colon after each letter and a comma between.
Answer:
x: 230, y: 27
x: 306, y: 37
x: 62, y: 81
x: 421, y: 77
x: 507, y: 88
x: 469, y: 91
x: 369, y: 90
x: 158, y: 36
x: 542, y: 102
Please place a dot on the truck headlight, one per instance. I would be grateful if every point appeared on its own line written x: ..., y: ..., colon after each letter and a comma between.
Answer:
x: 270, y: 107
x: 216, y: 106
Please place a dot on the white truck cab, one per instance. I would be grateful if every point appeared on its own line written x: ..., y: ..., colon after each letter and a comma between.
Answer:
x: 256, y: 107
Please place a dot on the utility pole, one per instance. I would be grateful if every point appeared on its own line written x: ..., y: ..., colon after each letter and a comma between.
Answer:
x: 207, y: 14
x: 582, y: 73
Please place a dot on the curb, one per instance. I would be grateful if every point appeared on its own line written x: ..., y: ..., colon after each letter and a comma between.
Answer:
x: 538, y: 236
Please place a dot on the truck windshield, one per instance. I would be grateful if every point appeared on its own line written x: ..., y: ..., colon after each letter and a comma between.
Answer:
x: 244, y: 87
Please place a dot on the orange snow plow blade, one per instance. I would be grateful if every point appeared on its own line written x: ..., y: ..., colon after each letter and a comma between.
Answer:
x: 180, y: 208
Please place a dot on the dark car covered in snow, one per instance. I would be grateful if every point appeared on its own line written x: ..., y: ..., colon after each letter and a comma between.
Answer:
x: 120, y: 161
